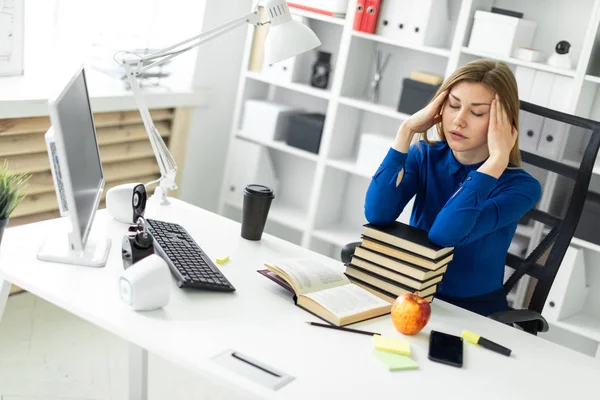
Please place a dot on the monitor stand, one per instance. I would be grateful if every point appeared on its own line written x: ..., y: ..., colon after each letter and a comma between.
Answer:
x: 58, y: 249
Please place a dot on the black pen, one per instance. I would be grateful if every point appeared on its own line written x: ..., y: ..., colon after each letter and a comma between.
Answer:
x: 488, y: 344
x: 340, y: 328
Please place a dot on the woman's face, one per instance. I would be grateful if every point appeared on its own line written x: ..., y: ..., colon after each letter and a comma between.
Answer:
x: 466, y: 117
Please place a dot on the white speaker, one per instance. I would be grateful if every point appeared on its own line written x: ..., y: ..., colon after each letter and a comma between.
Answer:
x: 146, y: 285
x: 126, y: 202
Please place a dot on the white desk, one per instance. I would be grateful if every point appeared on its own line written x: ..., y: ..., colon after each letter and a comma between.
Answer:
x: 260, y: 321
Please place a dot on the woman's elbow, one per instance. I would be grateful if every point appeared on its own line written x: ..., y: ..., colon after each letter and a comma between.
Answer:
x: 444, y: 238
x: 376, y: 217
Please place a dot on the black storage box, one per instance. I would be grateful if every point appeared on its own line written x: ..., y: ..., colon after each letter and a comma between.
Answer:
x: 587, y: 228
x: 415, y: 95
x: 305, y: 130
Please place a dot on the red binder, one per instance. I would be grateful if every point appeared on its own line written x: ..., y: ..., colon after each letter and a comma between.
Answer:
x: 369, y: 23
x: 359, y: 15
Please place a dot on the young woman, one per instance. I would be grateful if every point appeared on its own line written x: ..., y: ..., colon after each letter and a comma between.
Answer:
x: 470, y: 190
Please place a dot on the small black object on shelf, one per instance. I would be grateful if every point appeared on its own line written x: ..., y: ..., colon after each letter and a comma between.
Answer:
x: 305, y: 130
x: 562, y: 47
x: 321, y: 70
x: 504, y: 11
x: 415, y: 95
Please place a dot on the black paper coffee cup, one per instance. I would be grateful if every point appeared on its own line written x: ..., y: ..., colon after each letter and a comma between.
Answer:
x: 257, y: 202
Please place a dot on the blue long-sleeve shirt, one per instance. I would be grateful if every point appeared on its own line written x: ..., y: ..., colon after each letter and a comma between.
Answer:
x: 459, y: 206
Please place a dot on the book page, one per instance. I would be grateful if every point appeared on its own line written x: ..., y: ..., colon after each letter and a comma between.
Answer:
x: 346, y: 300
x: 309, y: 275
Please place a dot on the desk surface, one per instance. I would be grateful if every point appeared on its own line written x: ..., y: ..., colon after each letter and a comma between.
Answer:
x: 261, y: 321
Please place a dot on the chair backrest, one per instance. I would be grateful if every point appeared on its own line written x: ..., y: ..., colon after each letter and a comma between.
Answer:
x: 560, y: 151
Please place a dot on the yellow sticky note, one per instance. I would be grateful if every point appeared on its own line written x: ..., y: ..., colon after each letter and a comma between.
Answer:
x: 222, y: 260
x: 391, y: 345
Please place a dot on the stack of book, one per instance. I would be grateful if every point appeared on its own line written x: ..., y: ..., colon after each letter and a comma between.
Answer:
x: 398, y: 258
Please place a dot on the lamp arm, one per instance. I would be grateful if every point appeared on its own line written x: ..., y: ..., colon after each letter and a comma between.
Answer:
x: 166, y: 54
x: 134, y: 67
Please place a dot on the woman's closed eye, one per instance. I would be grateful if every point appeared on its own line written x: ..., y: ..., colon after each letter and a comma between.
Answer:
x: 456, y: 106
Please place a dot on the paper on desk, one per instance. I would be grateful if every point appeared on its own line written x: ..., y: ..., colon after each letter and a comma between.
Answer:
x: 395, y: 362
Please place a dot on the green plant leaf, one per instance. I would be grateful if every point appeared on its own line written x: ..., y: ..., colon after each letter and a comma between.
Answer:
x: 12, y: 190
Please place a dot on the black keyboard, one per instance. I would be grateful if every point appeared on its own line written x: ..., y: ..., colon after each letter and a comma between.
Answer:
x: 188, y: 263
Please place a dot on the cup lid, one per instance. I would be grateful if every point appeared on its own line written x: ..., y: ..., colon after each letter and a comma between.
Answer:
x: 258, y: 190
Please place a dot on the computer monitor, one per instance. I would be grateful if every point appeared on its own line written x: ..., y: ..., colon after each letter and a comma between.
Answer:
x: 78, y: 176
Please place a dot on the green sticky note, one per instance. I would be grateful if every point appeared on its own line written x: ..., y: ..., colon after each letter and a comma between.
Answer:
x: 395, y: 362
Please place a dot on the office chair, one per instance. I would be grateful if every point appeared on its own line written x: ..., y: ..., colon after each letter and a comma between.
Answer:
x: 561, y: 153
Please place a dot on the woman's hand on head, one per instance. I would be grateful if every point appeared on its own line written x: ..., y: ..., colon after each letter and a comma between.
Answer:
x: 425, y: 118
x: 502, y: 134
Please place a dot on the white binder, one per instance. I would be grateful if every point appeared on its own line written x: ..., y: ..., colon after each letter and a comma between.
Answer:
x: 419, y: 22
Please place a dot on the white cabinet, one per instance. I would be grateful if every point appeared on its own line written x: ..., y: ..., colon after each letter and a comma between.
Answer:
x: 573, y: 304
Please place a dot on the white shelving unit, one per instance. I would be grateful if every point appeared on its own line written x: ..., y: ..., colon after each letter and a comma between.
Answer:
x: 320, y: 198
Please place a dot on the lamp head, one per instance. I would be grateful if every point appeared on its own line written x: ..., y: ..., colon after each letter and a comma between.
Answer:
x: 287, y: 37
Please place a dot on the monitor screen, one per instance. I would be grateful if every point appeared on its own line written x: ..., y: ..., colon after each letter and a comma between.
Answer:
x: 82, y: 158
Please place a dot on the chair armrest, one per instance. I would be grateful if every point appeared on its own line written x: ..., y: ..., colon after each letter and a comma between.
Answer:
x: 520, y: 316
x: 348, y: 251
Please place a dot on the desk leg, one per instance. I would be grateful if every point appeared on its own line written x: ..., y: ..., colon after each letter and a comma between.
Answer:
x: 4, y: 292
x: 138, y: 373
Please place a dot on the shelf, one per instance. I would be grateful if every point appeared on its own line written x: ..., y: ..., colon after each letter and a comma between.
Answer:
x: 516, y: 61
x: 296, y: 87
x: 351, y: 167
x: 593, y: 79
x: 339, y: 235
x: 281, y: 146
x: 585, y: 244
x: 285, y: 215
x: 317, y: 16
x: 581, y: 324
x: 374, y: 108
x: 382, y: 39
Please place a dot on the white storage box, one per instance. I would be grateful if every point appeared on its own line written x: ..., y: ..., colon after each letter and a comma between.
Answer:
x: 371, y: 151
x: 500, y: 34
x: 265, y: 120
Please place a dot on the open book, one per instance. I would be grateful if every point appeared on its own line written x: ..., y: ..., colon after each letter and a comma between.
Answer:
x: 325, y: 292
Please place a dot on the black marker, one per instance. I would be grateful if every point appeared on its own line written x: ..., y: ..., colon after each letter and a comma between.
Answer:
x: 483, y: 342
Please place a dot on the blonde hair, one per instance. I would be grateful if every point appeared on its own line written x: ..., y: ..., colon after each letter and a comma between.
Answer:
x: 496, y: 76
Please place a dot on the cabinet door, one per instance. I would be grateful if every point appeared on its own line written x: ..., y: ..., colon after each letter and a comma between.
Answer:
x: 560, y: 95
x: 553, y: 136
x: 541, y: 88
x: 249, y: 163
x: 569, y: 290
x: 530, y: 128
x: 524, y: 77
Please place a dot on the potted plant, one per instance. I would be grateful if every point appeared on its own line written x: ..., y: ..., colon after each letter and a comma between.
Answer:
x: 12, y: 187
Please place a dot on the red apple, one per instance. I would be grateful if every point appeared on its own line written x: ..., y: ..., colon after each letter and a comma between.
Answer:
x: 410, y: 313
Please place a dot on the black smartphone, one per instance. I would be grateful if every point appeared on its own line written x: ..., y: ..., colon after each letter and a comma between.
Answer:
x: 446, y: 349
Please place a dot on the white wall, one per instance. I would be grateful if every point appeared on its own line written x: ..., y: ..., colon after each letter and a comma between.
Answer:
x: 218, y: 68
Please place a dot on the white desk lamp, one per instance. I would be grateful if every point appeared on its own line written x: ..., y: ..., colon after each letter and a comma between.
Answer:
x: 286, y: 38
